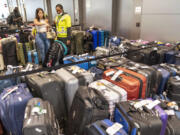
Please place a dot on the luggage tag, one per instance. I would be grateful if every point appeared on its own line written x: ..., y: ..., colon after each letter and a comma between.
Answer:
x: 9, y: 92
x: 116, y: 75
x: 177, y: 78
x: 114, y: 129
x: 170, y: 112
x: 142, y: 103
x: 173, y: 105
x: 153, y: 104
x: 110, y: 73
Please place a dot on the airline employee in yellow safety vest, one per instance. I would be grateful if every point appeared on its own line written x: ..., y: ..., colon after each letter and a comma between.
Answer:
x: 63, y: 26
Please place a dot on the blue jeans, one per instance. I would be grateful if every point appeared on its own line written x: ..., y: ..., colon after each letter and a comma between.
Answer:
x: 42, y: 44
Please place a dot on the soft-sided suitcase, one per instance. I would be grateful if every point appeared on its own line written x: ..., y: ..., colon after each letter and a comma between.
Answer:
x: 135, y: 84
x: 50, y: 87
x: 137, y: 121
x: 73, y: 77
x: 9, y: 51
x: 105, y: 127
x: 77, y: 42
x: 88, y: 106
x: 96, y: 72
x: 112, y: 93
x: 20, y: 53
x: 40, y: 119
x: 1, y: 58
x: 13, y: 102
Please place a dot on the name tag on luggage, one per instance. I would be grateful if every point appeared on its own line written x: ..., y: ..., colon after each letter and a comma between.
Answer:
x: 115, y: 76
x: 153, y: 104
x: 110, y: 73
x: 114, y: 129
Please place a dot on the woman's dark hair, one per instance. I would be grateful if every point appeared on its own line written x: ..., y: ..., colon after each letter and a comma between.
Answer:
x: 60, y: 6
x: 37, y: 11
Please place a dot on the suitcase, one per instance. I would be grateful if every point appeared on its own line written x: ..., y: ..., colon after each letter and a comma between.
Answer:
x: 173, y: 88
x: 50, y: 87
x: 137, y: 121
x: 33, y: 57
x: 164, y: 80
x: 13, y: 101
x: 170, y: 57
x: 112, y: 93
x: 96, y: 72
x: 73, y: 77
x: 135, y: 84
x: 153, y: 77
x: 20, y: 53
x: 177, y: 61
x: 171, y: 70
x: 88, y: 106
x: 101, y: 38
x: 95, y: 38
x: 115, y: 41
x: 101, y: 128
x: 1, y: 58
x: 102, y: 51
x: 40, y: 118
x: 9, y: 51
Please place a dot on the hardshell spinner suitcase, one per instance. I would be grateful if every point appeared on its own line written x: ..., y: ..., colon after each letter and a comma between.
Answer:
x: 88, y: 106
x: 133, y: 83
x: 137, y: 121
x: 50, y: 87
x: 101, y: 127
x: 40, y: 118
x: 13, y: 102
x: 101, y: 38
x: 112, y: 93
x: 95, y: 38
x: 73, y: 77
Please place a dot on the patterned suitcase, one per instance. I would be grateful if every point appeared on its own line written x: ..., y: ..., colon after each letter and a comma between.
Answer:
x: 73, y: 77
x: 40, y: 118
x: 112, y: 93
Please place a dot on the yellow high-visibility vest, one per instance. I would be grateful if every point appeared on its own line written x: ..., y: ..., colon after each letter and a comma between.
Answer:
x: 62, y: 23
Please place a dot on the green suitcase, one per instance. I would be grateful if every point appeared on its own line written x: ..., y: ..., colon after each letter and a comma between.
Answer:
x: 20, y: 54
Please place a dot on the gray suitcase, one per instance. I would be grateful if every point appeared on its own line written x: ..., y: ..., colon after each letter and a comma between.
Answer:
x: 111, y: 92
x: 39, y: 118
x: 73, y: 77
x: 50, y: 87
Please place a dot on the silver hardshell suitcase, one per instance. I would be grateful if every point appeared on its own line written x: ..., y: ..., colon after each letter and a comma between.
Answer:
x: 111, y: 92
x: 73, y: 77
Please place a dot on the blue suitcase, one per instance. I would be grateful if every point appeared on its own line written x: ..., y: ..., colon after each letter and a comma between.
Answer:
x: 165, y: 77
x: 13, y: 102
x: 95, y: 38
x: 170, y: 57
x: 100, y: 127
x: 101, y: 38
x: 115, y: 41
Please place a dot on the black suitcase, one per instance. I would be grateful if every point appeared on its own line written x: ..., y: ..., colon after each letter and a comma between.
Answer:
x: 50, y: 87
x: 88, y: 106
x: 136, y: 121
x: 39, y: 119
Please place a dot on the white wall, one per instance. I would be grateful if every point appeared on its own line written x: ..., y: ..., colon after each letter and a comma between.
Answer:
x: 4, y: 9
x: 161, y: 20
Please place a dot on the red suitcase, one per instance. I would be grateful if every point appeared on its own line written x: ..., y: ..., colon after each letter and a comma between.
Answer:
x: 134, y: 83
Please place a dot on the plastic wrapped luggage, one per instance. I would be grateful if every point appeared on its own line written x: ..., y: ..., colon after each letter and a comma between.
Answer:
x: 112, y: 93
x: 13, y: 102
x: 134, y: 83
x: 50, y: 87
x: 40, y: 118
x: 73, y: 77
x: 88, y: 106
x: 137, y: 119
x: 105, y: 127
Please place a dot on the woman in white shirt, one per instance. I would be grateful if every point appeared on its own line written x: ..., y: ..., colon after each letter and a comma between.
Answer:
x: 41, y: 40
